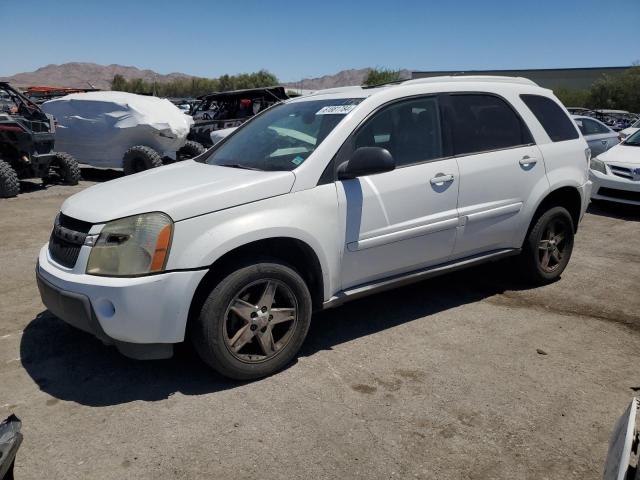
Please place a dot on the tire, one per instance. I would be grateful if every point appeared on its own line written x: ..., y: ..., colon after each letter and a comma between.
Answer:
x: 538, y: 246
x: 66, y: 169
x: 217, y: 324
x: 9, y: 183
x: 190, y: 149
x: 140, y: 158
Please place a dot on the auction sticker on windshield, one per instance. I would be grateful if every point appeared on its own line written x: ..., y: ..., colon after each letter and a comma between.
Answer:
x: 335, y: 110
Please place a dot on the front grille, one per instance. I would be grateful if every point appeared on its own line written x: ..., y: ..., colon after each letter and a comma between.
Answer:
x: 621, y: 194
x: 622, y: 172
x: 66, y: 239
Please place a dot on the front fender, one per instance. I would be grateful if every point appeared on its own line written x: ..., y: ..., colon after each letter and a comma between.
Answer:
x: 310, y: 216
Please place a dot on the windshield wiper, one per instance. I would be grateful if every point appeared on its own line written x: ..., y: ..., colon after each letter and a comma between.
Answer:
x: 238, y: 165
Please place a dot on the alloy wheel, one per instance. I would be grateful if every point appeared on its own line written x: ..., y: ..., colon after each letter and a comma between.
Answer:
x: 260, y: 320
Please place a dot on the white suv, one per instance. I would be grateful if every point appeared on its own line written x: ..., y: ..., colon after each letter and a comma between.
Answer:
x: 314, y: 202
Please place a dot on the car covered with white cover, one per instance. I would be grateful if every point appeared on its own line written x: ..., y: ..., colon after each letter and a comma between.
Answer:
x: 122, y: 130
x: 616, y: 173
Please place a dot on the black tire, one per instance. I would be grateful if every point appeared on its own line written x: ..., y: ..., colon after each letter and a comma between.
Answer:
x: 140, y: 158
x: 537, y: 247
x: 209, y: 333
x: 65, y: 168
x: 9, y: 183
x: 190, y: 149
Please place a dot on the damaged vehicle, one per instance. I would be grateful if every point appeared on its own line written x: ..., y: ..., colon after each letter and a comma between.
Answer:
x: 227, y: 110
x: 122, y: 130
x: 27, y: 140
x: 314, y: 202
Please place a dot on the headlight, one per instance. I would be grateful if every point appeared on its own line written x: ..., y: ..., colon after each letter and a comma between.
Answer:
x: 598, y: 165
x: 132, y: 246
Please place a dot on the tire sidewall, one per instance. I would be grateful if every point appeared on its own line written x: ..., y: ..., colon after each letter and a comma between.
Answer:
x: 208, y: 335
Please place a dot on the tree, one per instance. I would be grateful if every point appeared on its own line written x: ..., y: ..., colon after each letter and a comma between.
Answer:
x: 379, y: 76
x: 195, y: 86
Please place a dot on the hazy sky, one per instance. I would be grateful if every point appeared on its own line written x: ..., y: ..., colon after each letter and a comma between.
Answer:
x: 299, y: 39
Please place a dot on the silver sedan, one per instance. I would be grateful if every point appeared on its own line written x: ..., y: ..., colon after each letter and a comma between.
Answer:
x: 598, y: 135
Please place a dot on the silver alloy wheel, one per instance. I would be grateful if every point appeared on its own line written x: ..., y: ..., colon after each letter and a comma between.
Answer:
x: 260, y: 320
x: 552, y: 245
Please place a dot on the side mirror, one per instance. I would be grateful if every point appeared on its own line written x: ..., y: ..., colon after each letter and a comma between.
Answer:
x: 366, y: 161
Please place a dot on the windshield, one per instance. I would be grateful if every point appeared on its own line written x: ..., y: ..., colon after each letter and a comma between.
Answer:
x: 283, y: 137
x: 637, y: 124
x: 633, y: 140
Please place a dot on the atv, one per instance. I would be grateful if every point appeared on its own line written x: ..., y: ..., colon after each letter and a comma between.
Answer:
x: 27, y: 138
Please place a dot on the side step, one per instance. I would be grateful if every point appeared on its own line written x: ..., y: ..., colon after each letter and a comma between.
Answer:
x: 416, y: 276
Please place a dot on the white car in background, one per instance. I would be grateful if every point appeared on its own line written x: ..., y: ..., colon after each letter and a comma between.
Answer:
x: 616, y: 173
x: 598, y: 135
x: 630, y: 130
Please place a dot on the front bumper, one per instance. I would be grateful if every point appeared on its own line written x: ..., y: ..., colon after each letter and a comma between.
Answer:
x: 614, y: 189
x: 142, y: 316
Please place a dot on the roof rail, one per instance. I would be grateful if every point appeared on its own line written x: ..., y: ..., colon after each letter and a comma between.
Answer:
x: 472, y: 78
x: 351, y: 88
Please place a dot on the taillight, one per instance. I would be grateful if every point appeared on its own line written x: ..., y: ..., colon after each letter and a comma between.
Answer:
x: 587, y: 155
x: 11, y: 128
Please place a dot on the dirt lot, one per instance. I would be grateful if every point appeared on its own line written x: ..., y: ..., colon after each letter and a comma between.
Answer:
x: 438, y: 380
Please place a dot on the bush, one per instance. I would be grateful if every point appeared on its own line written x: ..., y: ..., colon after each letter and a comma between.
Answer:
x: 379, y: 76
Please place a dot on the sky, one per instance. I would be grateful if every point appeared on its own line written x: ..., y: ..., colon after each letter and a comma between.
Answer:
x: 300, y: 39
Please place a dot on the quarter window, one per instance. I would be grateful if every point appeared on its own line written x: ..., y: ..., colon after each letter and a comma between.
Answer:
x: 410, y: 130
x: 479, y: 123
x: 553, y: 119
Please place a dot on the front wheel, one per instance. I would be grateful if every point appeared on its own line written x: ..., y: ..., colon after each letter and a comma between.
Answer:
x: 548, y: 246
x: 254, y: 321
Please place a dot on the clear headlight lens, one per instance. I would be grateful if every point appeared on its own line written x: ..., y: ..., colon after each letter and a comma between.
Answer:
x: 131, y: 246
x: 598, y: 165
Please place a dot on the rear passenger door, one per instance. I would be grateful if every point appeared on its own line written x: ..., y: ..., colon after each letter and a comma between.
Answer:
x: 500, y: 167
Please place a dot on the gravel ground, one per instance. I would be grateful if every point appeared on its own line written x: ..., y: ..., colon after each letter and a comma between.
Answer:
x: 468, y: 376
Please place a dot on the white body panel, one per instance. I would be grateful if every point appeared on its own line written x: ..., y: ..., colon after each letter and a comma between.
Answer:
x: 398, y: 221
x: 360, y: 230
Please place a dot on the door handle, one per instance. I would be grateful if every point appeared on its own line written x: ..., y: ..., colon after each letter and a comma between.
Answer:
x: 527, y: 161
x: 441, y: 179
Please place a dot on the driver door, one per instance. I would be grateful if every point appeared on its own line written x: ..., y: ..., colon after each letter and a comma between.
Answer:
x: 406, y: 219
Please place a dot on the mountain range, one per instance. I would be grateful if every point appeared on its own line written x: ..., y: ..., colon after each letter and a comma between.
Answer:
x: 92, y: 75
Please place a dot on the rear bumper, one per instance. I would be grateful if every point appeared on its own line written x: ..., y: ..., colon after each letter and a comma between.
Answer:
x: 585, y: 194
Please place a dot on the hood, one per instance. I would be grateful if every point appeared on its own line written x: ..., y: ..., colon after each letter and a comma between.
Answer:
x: 622, y: 154
x: 182, y: 190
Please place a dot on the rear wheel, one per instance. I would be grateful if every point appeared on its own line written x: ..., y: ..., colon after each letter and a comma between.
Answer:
x: 548, y: 246
x: 140, y: 158
x: 64, y: 168
x: 190, y: 149
x: 254, y: 321
x: 9, y: 183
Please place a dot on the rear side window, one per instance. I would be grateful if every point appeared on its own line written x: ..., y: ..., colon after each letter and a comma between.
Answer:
x: 479, y: 123
x: 591, y: 127
x: 553, y: 119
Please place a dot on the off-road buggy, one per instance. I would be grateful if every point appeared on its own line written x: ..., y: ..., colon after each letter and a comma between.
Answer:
x: 222, y: 110
x: 27, y: 138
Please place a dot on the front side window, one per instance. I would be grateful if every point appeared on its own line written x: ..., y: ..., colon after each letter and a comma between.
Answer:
x: 409, y: 129
x: 480, y: 123
x: 283, y: 137
x: 552, y: 118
